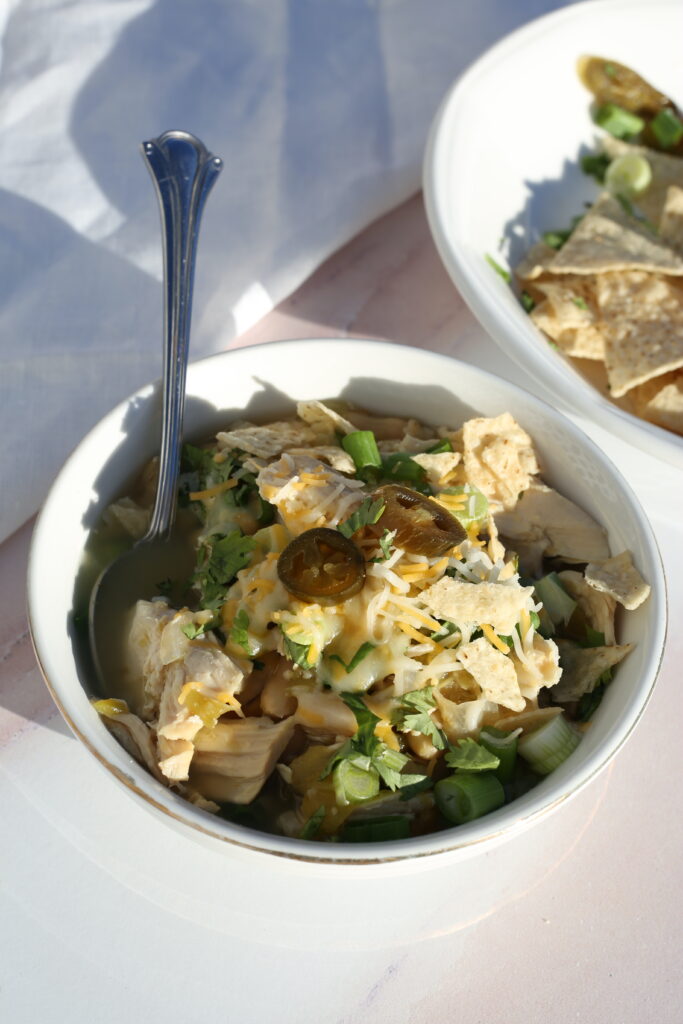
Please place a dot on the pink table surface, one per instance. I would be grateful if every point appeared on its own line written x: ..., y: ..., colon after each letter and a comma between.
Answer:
x: 589, y: 927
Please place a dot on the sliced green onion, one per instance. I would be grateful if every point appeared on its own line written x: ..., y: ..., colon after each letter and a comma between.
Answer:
x: 504, y: 746
x: 362, y: 447
x: 629, y: 175
x: 353, y: 784
x: 667, y: 128
x: 377, y: 830
x: 464, y: 797
x: 620, y: 123
x: 547, y: 747
x: 444, y: 445
x: 555, y: 599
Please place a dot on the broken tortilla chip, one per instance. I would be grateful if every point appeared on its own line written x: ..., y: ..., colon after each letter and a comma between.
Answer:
x: 498, y: 458
x: 671, y: 221
x: 266, y: 442
x: 493, y: 671
x: 608, y: 238
x: 660, y: 400
x: 619, y: 578
x: 536, y: 262
x: 568, y: 315
x: 582, y: 668
x: 642, y: 323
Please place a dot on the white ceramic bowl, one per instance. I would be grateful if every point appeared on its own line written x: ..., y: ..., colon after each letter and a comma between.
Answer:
x: 501, y: 164
x: 388, y: 379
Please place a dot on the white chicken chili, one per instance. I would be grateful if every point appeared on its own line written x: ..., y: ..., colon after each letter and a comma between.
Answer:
x: 391, y: 628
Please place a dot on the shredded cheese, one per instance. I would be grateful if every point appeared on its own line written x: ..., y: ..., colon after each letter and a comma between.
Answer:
x: 212, y: 492
x: 494, y: 639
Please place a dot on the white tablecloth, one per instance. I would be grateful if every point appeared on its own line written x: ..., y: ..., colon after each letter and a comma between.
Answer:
x: 320, y: 110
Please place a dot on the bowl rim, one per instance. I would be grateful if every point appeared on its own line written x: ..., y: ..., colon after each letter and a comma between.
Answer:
x: 519, y: 338
x: 74, y: 704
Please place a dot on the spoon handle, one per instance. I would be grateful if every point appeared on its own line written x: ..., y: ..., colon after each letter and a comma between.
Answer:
x: 183, y: 172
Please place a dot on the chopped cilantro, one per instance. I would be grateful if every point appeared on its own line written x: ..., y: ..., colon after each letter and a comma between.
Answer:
x: 366, y: 514
x: 193, y: 631
x: 312, y: 826
x: 164, y: 587
x: 414, y: 715
x: 594, y: 638
x: 527, y: 302
x: 579, y: 302
x: 470, y: 756
x: 218, y: 562
x: 501, y: 271
x: 590, y: 702
x: 447, y: 629
x: 238, y: 631
x: 610, y: 70
x: 595, y: 165
x: 367, y: 753
x: 297, y: 653
x: 360, y: 654
x: 400, y: 466
x: 555, y: 239
x: 385, y: 542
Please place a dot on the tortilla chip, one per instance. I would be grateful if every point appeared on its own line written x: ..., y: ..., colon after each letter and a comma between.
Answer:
x: 568, y: 315
x: 536, y: 262
x: 439, y: 466
x: 324, y: 420
x: 582, y: 668
x: 335, y: 457
x: 671, y: 221
x: 493, y: 671
x: 666, y: 170
x: 266, y: 442
x: 597, y: 608
x: 642, y: 323
x: 542, y: 514
x: 660, y: 400
x: 499, y: 458
x: 499, y: 604
x: 619, y: 578
x: 607, y: 239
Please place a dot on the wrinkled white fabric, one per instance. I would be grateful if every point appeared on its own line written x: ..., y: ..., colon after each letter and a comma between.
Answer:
x: 320, y: 110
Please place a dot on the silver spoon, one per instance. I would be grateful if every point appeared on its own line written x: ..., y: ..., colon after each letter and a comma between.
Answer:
x: 183, y: 172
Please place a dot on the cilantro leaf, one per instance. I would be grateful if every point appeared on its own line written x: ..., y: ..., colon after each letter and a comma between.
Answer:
x: 297, y: 653
x: 594, y: 638
x: 238, y: 632
x: 414, y: 715
x: 193, y: 632
x: 470, y: 756
x: 219, y: 560
x: 360, y: 654
x: 365, y: 515
x: 367, y: 752
x: 385, y: 542
x: 364, y: 739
